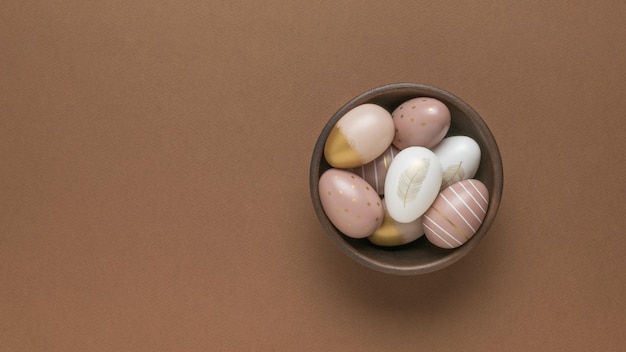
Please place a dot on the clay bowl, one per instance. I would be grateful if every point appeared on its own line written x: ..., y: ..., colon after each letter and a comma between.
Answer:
x: 418, y: 257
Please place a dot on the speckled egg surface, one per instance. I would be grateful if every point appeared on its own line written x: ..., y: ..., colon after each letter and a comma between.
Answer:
x: 456, y: 214
x: 421, y: 122
x: 350, y: 203
x: 375, y: 172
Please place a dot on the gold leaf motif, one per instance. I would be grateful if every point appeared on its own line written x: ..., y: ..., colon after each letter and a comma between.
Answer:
x: 411, y: 180
x: 452, y: 175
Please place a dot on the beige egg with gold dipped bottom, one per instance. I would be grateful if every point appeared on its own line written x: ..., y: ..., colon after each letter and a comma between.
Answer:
x: 350, y: 203
x: 360, y: 136
x: 392, y: 233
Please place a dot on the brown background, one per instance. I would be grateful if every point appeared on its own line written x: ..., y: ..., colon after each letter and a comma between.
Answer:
x: 154, y: 175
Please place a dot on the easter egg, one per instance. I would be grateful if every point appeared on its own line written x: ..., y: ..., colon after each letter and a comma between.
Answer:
x: 421, y: 122
x: 456, y: 214
x: 375, y: 171
x: 393, y: 233
x: 360, y: 136
x: 412, y: 183
x: 459, y: 157
x: 350, y: 203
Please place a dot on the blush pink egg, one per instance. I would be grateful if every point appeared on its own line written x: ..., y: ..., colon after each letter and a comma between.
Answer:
x: 350, y: 203
x: 375, y: 171
x: 456, y: 214
x: 359, y: 136
x: 420, y: 122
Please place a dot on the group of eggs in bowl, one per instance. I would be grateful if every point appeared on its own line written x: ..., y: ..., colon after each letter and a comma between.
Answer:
x: 418, y: 255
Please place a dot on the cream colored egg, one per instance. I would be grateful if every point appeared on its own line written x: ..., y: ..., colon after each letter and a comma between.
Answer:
x: 412, y: 183
x: 359, y: 137
x: 459, y: 157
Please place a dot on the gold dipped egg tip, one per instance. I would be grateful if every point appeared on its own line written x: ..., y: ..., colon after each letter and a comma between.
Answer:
x: 339, y: 152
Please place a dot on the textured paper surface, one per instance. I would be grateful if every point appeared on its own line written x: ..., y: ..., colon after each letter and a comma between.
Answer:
x: 154, y: 181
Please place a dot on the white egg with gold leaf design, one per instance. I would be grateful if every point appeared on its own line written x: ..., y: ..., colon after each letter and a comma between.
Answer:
x: 459, y: 157
x: 412, y: 183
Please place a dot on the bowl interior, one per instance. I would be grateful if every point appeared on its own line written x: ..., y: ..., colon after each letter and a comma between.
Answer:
x: 420, y: 256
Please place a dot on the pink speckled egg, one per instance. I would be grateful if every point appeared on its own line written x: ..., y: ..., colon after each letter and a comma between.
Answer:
x: 350, y: 203
x: 375, y: 171
x: 360, y: 136
x: 420, y: 122
x: 456, y: 214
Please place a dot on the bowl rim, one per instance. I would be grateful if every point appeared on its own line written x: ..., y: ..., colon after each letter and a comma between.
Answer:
x: 417, y: 90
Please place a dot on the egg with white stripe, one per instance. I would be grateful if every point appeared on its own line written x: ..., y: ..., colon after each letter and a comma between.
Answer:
x: 375, y: 172
x: 456, y: 214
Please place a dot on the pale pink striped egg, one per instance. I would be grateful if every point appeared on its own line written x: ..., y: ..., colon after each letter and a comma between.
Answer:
x: 456, y: 214
x: 350, y: 203
x: 375, y: 171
